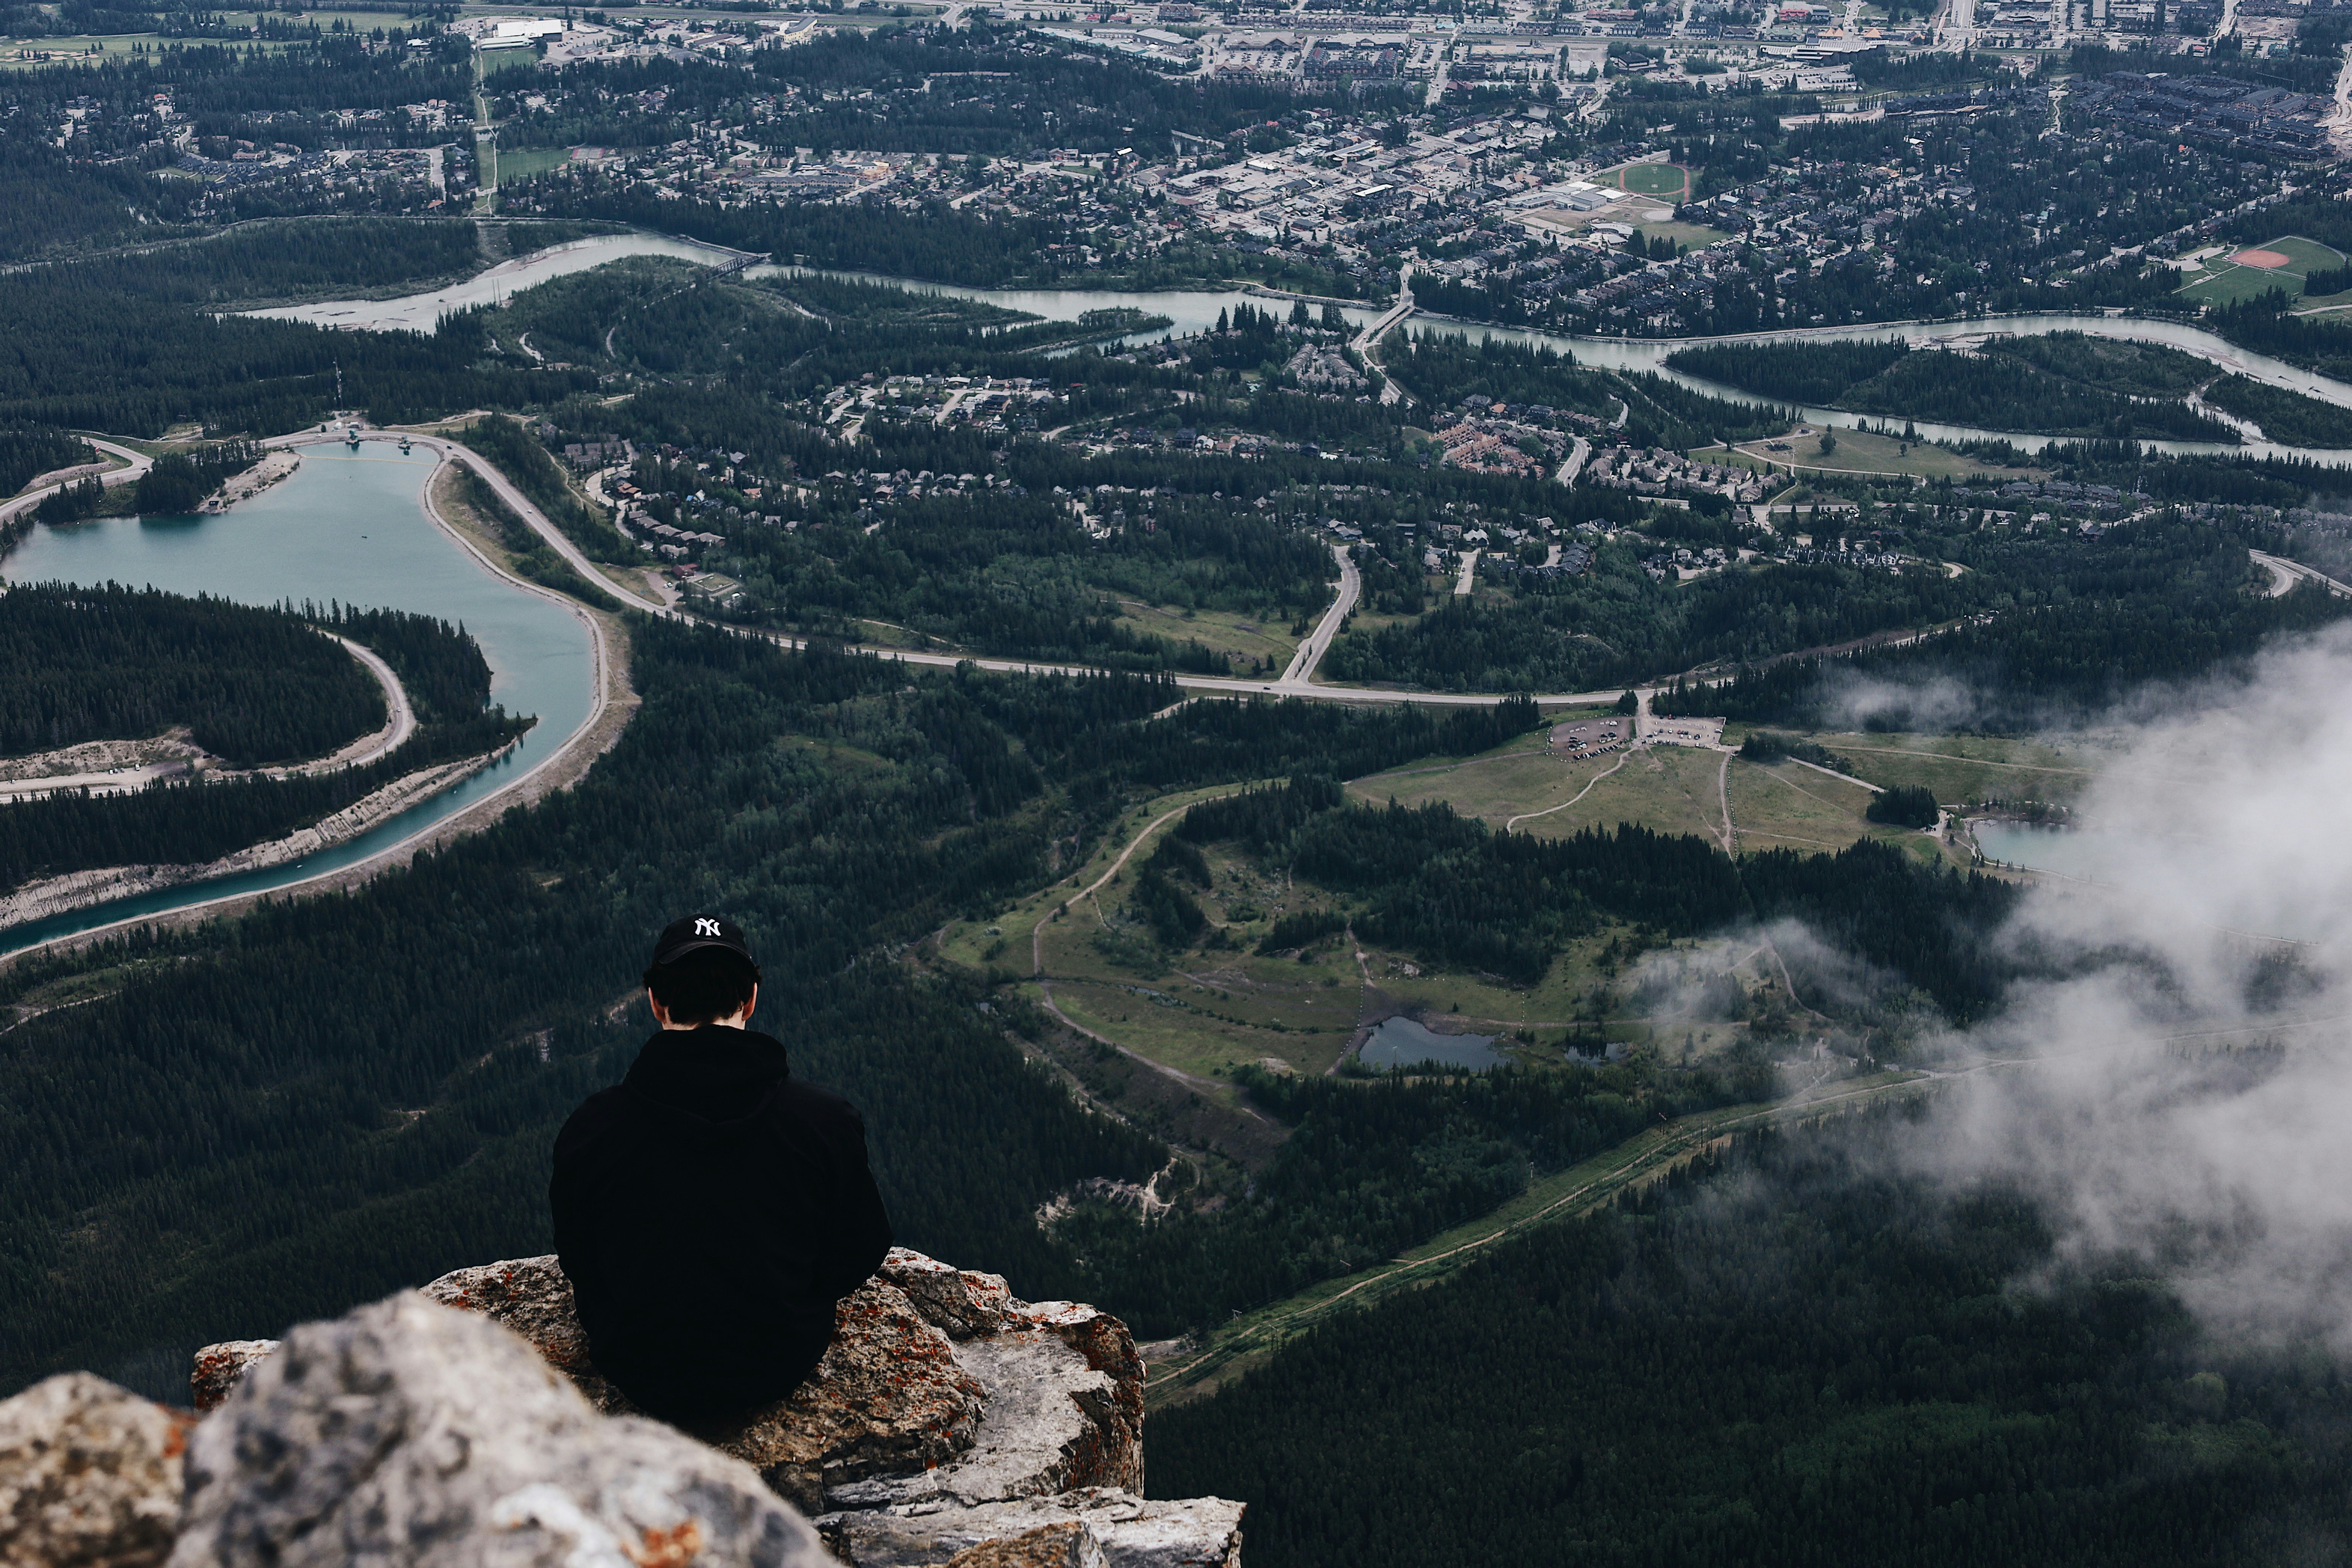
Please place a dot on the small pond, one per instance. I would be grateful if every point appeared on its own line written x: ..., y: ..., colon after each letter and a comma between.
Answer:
x: 1400, y: 1042
x: 2087, y: 853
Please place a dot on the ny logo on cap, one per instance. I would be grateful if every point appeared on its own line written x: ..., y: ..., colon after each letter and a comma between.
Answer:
x: 706, y: 928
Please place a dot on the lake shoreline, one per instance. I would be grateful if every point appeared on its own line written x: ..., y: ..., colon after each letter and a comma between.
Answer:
x: 313, y: 539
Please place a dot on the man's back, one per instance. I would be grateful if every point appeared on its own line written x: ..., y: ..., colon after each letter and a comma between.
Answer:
x: 710, y: 1212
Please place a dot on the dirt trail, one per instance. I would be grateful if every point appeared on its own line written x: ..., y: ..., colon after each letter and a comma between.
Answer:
x: 1563, y: 805
x: 1037, y: 960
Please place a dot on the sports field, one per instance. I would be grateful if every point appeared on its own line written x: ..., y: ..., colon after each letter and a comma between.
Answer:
x: 1669, y: 182
x: 2254, y: 270
x: 1697, y: 237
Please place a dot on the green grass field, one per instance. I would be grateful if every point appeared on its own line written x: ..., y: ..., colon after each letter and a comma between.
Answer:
x: 1670, y: 180
x: 1220, y: 1004
x: 1973, y: 767
x: 24, y: 54
x: 2221, y: 281
x: 1695, y: 236
x: 522, y: 163
x: 1242, y: 635
x: 1863, y: 451
x: 88, y: 49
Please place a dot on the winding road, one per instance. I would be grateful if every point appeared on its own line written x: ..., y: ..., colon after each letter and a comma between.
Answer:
x: 1296, y: 680
x: 577, y: 748
x: 138, y: 463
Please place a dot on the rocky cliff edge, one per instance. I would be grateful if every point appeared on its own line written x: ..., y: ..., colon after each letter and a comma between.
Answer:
x: 949, y: 1423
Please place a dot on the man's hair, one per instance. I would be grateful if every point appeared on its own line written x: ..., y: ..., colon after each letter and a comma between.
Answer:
x: 703, y: 986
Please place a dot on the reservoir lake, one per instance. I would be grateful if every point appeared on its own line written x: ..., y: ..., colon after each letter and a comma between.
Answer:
x: 344, y: 526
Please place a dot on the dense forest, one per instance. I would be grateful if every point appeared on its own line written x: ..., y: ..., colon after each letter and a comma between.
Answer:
x: 130, y: 344
x: 1614, y: 625
x: 174, y: 822
x: 2167, y: 599
x: 837, y: 803
x: 2064, y: 383
x: 27, y: 454
x: 1369, y: 1169
x: 439, y: 666
x: 2058, y: 623
x: 1453, y: 892
x: 253, y: 686
x: 1788, y: 1353
x: 2289, y: 418
x: 1449, y: 889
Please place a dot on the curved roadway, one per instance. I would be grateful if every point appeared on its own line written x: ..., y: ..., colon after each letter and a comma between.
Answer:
x: 400, y: 717
x: 139, y: 462
x: 485, y: 809
x: 1296, y: 680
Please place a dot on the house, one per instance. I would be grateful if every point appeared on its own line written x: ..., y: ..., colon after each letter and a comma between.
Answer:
x: 713, y: 589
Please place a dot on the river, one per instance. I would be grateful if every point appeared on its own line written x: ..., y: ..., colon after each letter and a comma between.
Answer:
x: 348, y: 528
x: 423, y: 312
x: 1650, y: 355
x: 1188, y: 310
x: 1193, y: 311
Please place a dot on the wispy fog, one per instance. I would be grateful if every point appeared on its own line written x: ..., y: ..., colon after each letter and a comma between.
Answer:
x: 2190, y: 1101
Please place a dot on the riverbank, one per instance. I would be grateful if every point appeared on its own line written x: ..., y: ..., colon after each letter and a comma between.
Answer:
x: 272, y: 468
x: 56, y: 896
x: 612, y: 703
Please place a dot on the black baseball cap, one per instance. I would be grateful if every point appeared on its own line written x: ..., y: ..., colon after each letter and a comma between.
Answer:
x: 697, y: 933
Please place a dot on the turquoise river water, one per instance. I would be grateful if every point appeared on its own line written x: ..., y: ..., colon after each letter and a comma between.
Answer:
x: 344, y: 526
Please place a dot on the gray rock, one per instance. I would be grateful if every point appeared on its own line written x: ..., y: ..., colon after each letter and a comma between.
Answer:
x: 1135, y: 1533
x: 940, y: 1398
x: 889, y: 1396
x: 1051, y: 1423
x: 957, y: 1301
x: 407, y: 1434
x: 218, y: 1367
x: 1069, y: 1544
x: 89, y: 1476
x: 530, y: 1295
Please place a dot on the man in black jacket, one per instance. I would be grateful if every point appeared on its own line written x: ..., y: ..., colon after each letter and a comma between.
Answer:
x: 711, y: 1209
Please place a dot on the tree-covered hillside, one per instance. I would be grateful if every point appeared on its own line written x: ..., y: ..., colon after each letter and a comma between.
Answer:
x: 319, y: 1143
x: 252, y: 686
x: 1783, y: 1355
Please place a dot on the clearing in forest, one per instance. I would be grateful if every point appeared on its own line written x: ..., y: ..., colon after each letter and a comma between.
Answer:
x: 1667, y: 181
x: 2257, y: 269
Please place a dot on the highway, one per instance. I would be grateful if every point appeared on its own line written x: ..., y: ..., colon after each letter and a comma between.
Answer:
x: 1310, y: 652
x: 139, y: 462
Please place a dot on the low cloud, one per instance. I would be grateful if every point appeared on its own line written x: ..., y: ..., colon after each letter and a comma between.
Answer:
x: 1929, y: 702
x: 2186, y: 1098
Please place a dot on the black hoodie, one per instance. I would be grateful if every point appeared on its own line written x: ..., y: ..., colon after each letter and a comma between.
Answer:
x: 710, y: 1212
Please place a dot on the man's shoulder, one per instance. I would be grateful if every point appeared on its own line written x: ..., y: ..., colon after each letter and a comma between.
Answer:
x: 802, y: 1098
x: 594, y: 1116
